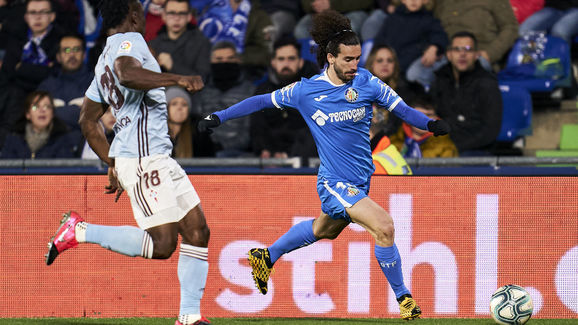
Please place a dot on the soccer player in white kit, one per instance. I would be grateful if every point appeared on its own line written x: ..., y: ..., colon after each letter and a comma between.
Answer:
x: 164, y: 202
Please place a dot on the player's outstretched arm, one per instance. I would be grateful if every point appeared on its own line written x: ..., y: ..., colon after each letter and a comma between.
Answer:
x: 242, y: 108
x: 90, y: 114
x: 420, y: 120
x: 132, y: 75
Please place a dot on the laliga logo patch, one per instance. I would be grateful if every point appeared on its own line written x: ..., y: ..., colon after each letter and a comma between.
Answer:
x: 351, y: 95
x: 352, y: 191
x: 285, y: 91
x: 288, y: 88
x: 125, y: 47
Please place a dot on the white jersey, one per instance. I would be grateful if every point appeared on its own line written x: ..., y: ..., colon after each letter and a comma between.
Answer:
x: 141, y: 116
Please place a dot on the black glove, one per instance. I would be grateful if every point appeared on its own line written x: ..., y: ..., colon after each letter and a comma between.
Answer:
x: 209, y: 122
x: 438, y: 127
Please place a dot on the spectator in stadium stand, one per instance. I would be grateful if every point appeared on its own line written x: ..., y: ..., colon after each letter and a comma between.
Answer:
x: 28, y: 60
x: 186, y: 142
x: 153, y: 14
x: 67, y: 14
x: 413, y: 142
x: 417, y: 38
x: 373, y: 23
x: 356, y: 11
x: 382, y: 62
x: 181, y: 47
x: 128, y: 79
x: 12, y: 12
x: 492, y: 22
x: 525, y: 8
x: 274, y: 133
x: 243, y: 23
x: 386, y: 157
x: 558, y: 18
x: 6, y: 15
x: 468, y: 98
x: 337, y: 102
x: 179, y: 122
x: 107, y: 121
x: 39, y: 134
x: 227, y: 86
x: 68, y: 84
x: 284, y: 15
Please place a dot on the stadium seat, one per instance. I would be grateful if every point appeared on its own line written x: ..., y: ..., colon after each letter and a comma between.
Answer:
x: 308, y: 49
x: 569, y: 137
x: 557, y: 153
x: 517, y: 113
x: 365, y: 50
x: 568, y: 144
x: 543, y: 70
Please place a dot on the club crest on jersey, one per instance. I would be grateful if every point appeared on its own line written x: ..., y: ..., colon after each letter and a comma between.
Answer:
x: 352, y: 191
x: 351, y: 95
x: 154, y: 194
x: 125, y: 47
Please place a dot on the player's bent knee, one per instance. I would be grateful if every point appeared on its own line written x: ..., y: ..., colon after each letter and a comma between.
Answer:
x: 197, y: 237
x: 164, y: 248
x: 385, y: 232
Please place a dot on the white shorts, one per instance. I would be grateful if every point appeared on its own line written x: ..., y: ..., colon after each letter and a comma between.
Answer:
x: 159, y: 190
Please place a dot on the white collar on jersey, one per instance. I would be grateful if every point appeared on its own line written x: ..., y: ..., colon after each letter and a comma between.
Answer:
x: 325, y: 77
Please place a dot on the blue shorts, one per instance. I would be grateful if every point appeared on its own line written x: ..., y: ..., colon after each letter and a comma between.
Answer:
x: 337, y: 195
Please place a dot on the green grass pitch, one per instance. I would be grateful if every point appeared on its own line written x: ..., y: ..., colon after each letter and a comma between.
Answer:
x: 270, y: 321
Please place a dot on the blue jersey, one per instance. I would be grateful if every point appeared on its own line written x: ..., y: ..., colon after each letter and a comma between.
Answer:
x: 339, y: 117
x: 141, y: 116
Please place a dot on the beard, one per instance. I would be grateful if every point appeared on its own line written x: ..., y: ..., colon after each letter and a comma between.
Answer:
x: 287, y: 77
x: 341, y: 74
x: 72, y: 65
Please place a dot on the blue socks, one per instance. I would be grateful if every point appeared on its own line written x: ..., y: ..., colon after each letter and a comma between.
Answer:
x: 390, y: 263
x: 192, y: 270
x: 126, y: 240
x: 298, y: 236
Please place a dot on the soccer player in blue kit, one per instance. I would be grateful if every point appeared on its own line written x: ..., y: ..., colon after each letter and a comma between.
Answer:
x: 164, y: 202
x: 337, y: 106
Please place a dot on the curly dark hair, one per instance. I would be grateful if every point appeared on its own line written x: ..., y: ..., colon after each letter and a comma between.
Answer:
x: 330, y: 28
x: 114, y: 12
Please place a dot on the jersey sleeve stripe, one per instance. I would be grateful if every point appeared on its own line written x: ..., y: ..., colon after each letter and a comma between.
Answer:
x: 273, y: 99
x: 394, y: 104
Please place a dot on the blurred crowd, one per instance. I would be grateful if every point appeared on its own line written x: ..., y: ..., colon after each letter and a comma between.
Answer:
x: 441, y: 56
